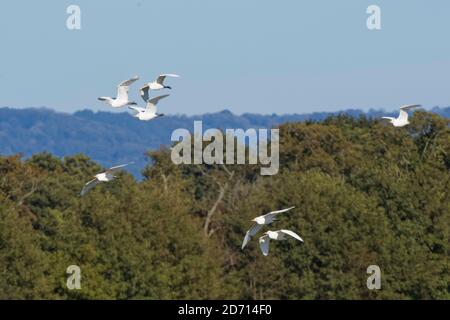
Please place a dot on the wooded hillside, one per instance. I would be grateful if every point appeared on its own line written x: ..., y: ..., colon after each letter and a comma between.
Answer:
x: 365, y: 193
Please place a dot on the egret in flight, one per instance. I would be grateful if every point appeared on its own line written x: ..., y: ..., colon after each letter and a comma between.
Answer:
x: 158, y: 84
x: 149, y: 112
x: 275, y: 235
x: 260, y: 222
x: 402, y: 119
x: 122, y: 95
x: 106, y: 176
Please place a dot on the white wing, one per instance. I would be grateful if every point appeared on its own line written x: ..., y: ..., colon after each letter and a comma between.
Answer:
x: 274, y: 213
x: 112, y: 169
x: 151, y: 108
x: 138, y: 109
x: 250, y: 233
x: 151, y: 104
x: 155, y: 100
x: 88, y: 186
x: 122, y: 88
x: 403, y: 115
x: 264, y: 244
x: 162, y: 77
x: 292, y: 234
x: 404, y: 111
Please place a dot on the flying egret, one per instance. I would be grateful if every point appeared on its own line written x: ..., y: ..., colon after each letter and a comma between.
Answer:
x: 402, y: 119
x: 260, y: 222
x: 275, y: 235
x: 106, y: 176
x: 122, y: 95
x: 158, y: 84
x: 149, y: 112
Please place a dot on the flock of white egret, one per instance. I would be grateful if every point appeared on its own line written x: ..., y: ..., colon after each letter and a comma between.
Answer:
x: 144, y: 114
x: 150, y: 112
x: 274, y: 235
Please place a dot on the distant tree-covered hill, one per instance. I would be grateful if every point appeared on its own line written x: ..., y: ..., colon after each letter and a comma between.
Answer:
x: 111, y: 138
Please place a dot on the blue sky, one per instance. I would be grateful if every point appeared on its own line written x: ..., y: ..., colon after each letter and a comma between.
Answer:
x: 244, y: 55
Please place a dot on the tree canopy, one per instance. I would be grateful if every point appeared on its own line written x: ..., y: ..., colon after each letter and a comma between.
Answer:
x: 365, y: 193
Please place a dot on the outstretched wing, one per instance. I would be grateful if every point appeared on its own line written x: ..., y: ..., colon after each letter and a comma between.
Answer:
x: 151, y: 104
x: 129, y: 82
x: 250, y: 233
x: 112, y: 169
x: 274, y: 213
x: 144, y: 92
x: 264, y: 244
x: 404, y: 111
x: 292, y: 234
x: 122, y: 88
x: 162, y: 77
x: 155, y: 100
x: 403, y: 115
x: 138, y: 109
x: 410, y: 106
x: 88, y: 186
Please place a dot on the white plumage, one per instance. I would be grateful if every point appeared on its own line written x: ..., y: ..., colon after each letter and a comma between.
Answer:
x: 402, y: 119
x: 158, y: 84
x: 122, y: 95
x: 149, y: 112
x: 260, y: 222
x: 106, y: 176
x: 264, y: 240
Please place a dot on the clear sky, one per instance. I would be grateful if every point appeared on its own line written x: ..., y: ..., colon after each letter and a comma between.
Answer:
x: 255, y: 56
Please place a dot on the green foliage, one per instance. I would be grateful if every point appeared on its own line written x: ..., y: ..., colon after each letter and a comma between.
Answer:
x: 365, y: 193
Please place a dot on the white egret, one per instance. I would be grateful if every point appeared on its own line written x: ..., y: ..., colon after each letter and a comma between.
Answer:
x: 149, y: 112
x: 158, y: 84
x: 260, y: 222
x: 275, y: 235
x: 122, y: 95
x: 402, y: 119
x: 106, y: 176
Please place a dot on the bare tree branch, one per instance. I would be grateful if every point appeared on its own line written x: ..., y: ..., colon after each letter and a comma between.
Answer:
x: 213, y: 209
x: 165, y: 179
x: 34, y: 187
x: 223, y: 187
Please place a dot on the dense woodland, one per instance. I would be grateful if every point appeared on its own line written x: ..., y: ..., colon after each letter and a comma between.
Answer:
x: 365, y: 193
x: 109, y: 138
